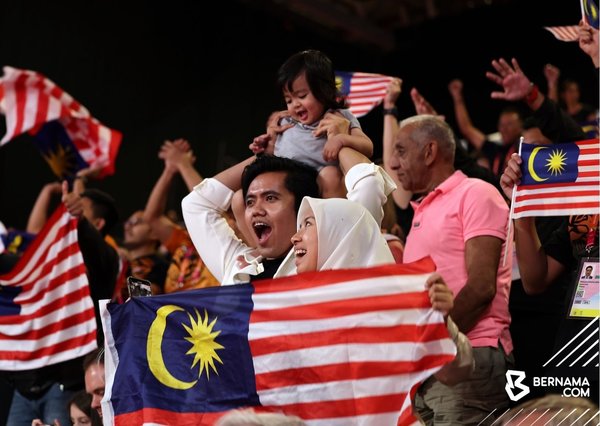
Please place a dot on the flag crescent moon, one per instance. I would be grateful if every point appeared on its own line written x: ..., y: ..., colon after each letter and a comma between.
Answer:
x: 154, y: 350
x: 530, y: 164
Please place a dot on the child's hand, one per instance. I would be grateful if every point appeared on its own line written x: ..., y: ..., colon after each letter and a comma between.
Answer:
x: 332, y: 148
x: 262, y: 144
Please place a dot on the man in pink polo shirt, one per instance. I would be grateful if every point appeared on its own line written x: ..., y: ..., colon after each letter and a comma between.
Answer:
x: 461, y: 223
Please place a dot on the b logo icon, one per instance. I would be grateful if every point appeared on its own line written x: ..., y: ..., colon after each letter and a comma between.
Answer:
x: 519, y: 376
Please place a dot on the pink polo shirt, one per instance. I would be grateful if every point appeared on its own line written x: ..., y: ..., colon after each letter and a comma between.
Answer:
x: 459, y: 209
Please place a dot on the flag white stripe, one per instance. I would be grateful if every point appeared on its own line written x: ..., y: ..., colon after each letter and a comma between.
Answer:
x: 70, y: 263
x: 79, y: 329
x: 591, y: 187
x: 350, y: 352
x: 38, y: 323
x: 368, y: 319
x: 342, y: 389
x: 567, y: 210
x: 389, y: 285
x: 17, y: 365
x: 49, y: 240
x: 557, y: 199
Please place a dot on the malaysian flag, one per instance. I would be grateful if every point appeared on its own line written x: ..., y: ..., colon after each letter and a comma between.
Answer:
x: 558, y: 180
x: 362, y: 91
x: 68, y: 136
x: 46, y: 313
x: 340, y: 347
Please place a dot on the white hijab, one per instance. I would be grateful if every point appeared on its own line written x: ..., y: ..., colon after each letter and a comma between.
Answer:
x: 348, y: 235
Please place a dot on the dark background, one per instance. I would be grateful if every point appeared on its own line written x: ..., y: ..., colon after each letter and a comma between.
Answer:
x: 174, y: 70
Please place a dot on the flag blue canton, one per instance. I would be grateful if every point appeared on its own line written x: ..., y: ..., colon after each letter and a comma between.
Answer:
x: 7, y: 300
x: 543, y: 164
x: 58, y: 150
x: 590, y: 9
x: 157, y: 352
x: 342, y: 82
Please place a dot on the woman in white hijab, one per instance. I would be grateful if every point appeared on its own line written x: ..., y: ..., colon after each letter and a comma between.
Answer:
x: 336, y: 233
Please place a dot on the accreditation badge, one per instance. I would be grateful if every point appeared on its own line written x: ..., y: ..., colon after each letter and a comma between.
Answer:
x: 585, y: 302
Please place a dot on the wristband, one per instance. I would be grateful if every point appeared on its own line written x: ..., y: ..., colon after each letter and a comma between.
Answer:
x: 390, y: 111
x: 533, y: 95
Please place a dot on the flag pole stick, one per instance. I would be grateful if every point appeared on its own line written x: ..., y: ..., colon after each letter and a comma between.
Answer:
x: 512, y: 211
x: 582, y: 7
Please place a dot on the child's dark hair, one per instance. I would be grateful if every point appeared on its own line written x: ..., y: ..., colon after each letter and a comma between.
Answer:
x: 320, y: 77
x: 300, y: 179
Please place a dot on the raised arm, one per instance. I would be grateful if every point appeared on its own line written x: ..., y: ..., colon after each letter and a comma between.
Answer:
x: 475, y: 136
x: 390, y: 127
x: 39, y: 212
x: 537, y: 269
x: 552, y: 75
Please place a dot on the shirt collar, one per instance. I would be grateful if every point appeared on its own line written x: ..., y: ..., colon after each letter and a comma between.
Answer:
x: 446, y: 186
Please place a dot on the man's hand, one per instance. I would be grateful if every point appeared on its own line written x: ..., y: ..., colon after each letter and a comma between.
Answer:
x: 392, y: 93
x: 71, y: 200
x: 176, y: 153
x: 440, y: 296
x: 515, y: 84
x: 332, y: 124
x: 456, y: 89
x: 422, y: 106
x: 511, y: 176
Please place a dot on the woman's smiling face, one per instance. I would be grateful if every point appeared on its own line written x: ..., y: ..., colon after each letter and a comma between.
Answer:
x: 306, y: 243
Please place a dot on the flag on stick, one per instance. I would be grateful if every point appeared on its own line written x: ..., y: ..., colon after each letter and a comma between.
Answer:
x: 46, y: 312
x: 362, y: 91
x: 558, y: 180
x: 68, y: 136
x: 334, y: 348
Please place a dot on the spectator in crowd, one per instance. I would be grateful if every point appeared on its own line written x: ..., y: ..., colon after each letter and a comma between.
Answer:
x: 140, y: 247
x: 80, y: 411
x: 186, y: 270
x: 461, y: 223
x: 510, y: 126
x: 273, y: 188
x: 93, y: 367
x: 44, y: 392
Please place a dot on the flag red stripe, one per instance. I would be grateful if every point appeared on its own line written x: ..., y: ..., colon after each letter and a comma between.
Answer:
x: 346, y: 371
x: 62, y: 346
x: 349, y: 407
x: 39, y: 239
x: 566, y: 206
x: 557, y: 195
x: 46, y: 267
x: 78, y: 318
x: 398, y: 333
x: 316, y: 279
x: 557, y: 186
x: 583, y: 163
x: 20, y: 100
x: 590, y: 173
x: 339, y: 308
